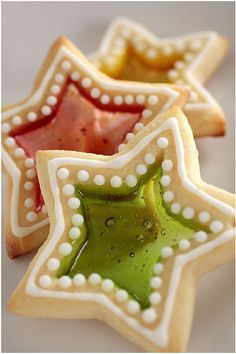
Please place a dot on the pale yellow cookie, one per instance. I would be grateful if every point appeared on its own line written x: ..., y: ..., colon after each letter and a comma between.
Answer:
x: 129, y: 51
x: 72, y: 106
x: 130, y: 235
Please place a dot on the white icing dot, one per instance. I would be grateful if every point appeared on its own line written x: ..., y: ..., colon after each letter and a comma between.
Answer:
x: 6, y: 128
x: 31, y: 173
x: 165, y: 180
x: 193, y: 96
x: 146, y: 113
x: 188, y: 213
x: 179, y: 65
x: 149, y: 158
x: 200, y: 236
x: 74, y: 233
x: 28, y: 203
x: 32, y: 116
x: 99, y: 180
x: 79, y: 279
x: 133, y: 306
x: 55, y: 89
x: 151, y: 53
x: 188, y: 57
x: 65, y: 282
x: 29, y: 162
x: 195, y: 45
x: 175, y: 208
x: 46, y: 110
x: 73, y: 203
x: 75, y: 76
x: 121, y: 147
x: 63, y: 173
x: 83, y: 175
x: 31, y: 216
x: 162, y: 143
x: 105, y: 99
x: 156, y: 282
x: 119, y: 41
x: 59, y: 78
x: 44, y: 209
x: 45, y: 281
x: 86, y: 82
x: 77, y: 219
x: 94, y: 279
x: 216, y: 226
x: 19, y: 152
x: 158, y: 268
x: 131, y: 180
x: 167, y: 252
x: 129, y: 136
x: 167, y: 165
x: 152, y: 100
x: 204, y: 216
x: 65, y: 248
x: 107, y: 285
x: 68, y: 189
x: 16, y: 120
x: 141, y: 169
x: 140, y: 99
x: 180, y: 46
x: 172, y: 74
x: 168, y: 196
x: 117, y: 51
x: 95, y: 92
x: 53, y: 264
x: 66, y: 65
x: 138, y: 126
x: 118, y: 100
x: 28, y: 186
x: 149, y: 315
x: 121, y: 295
x: 51, y: 100
x: 184, y: 244
x: 155, y: 298
x: 126, y: 33
x: 10, y: 142
x: 116, y: 181
x: 129, y: 99
x: 168, y: 50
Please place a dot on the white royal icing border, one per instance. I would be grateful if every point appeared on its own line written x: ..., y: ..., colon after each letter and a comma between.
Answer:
x: 11, y: 166
x: 159, y: 336
x: 150, y: 37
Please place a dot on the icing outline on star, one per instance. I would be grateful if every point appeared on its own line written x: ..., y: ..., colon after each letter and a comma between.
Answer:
x: 156, y: 141
x: 197, y: 49
x: 63, y: 62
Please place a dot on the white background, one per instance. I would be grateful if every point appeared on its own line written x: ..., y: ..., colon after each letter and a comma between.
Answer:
x: 28, y: 30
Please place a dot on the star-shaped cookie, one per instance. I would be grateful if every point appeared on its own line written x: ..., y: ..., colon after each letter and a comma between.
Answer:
x: 72, y: 107
x: 129, y: 51
x: 130, y: 235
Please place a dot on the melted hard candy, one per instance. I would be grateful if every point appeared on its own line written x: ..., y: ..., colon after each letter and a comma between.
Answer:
x: 78, y: 126
x: 123, y: 239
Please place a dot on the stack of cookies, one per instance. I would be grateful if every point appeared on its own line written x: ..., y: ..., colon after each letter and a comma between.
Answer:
x: 103, y: 174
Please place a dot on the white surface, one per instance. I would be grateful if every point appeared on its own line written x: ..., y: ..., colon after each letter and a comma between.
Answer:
x: 28, y: 31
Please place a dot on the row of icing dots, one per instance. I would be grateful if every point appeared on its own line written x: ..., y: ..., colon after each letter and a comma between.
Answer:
x: 87, y: 84
x: 189, y: 49
x: 131, y: 180
x: 30, y: 174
